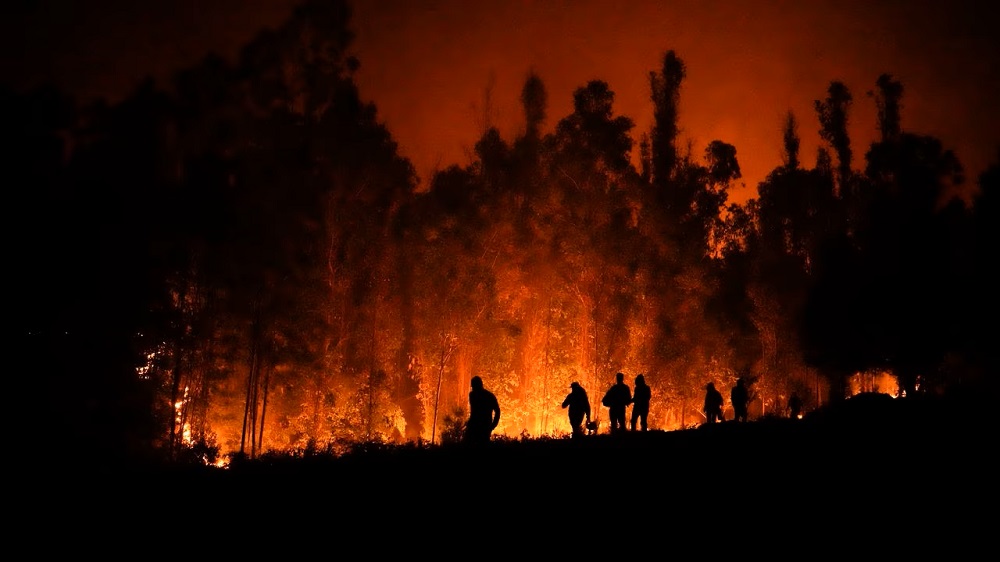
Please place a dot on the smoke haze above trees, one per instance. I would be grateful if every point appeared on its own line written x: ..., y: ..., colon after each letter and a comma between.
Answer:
x: 426, y: 63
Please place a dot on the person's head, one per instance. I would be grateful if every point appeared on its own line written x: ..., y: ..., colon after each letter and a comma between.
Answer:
x: 575, y: 386
x: 709, y: 386
x: 477, y: 382
x: 620, y: 377
x: 639, y: 379
x: 739, y: 381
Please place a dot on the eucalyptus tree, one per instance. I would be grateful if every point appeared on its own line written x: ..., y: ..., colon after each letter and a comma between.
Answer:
x: 592, y: 178
x: 451, y: 286
x: 912, y: 239
x: 665, y: 89
x: 834, y: 116
x: 791, y: 221
x: 682, y: 215
x: 300, y: 181
x: 885, y: 280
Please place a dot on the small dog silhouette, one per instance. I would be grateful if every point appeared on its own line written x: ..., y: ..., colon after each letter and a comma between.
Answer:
x: 592, y: 427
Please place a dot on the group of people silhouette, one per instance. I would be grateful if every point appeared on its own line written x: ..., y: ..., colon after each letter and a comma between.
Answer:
x: 484, y: 408
x: 738, y: 396
x: 616, y: 399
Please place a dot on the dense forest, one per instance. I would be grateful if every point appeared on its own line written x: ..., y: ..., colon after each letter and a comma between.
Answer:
x: 240, y: 261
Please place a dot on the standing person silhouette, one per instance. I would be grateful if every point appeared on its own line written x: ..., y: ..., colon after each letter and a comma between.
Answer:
x: 713, y: 404
x: 617, y: 398
x: 579, y: 407
x: 640, y: 402
x: 740, y: 398
x: 484, y: 413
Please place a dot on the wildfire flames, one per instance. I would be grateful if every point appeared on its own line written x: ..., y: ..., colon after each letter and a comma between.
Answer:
x: 550, y: 419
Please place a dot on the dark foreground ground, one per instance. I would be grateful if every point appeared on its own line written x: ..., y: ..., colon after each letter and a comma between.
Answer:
x: 885, y: 476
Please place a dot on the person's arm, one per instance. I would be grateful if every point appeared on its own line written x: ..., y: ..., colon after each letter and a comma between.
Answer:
x: 496, y: 410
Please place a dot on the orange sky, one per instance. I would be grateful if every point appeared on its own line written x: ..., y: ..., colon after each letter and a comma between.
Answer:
x: 427, y: 64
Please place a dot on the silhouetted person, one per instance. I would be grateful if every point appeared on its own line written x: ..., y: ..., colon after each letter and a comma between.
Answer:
x: 794, y: 406
x: 484, y: 413
x: 579, y: 408
x: 740, y: 398
x: 713, y: 404
x: 640, y: 403
x: 617, y: 399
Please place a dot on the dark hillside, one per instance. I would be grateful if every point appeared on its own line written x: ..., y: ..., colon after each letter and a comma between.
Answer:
x: 898, y: 464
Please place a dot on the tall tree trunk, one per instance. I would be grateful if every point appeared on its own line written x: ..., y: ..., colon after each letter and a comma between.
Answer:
x: 250, y: 412
x: 447, y: 347
x: 408, y: 387
x: 265, y: 386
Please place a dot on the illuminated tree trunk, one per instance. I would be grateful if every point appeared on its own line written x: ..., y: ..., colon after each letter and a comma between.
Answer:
x: 463, y: 373
x: 250, y: 403
x: 252, y: 411
x: 408, y: 387
x: 316, y: 409
x: 684, y: 407
x: 447, y: 348
x: 586, y: 356
x: 175, y: 396
x: 547, y: 369
x: 182, y: 354
x: 528, y: 370
x: 372, y: 380
x: 263, y: 411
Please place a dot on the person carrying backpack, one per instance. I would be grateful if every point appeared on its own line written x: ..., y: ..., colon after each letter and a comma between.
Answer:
x: 579, y: 408
x: 617, y: 399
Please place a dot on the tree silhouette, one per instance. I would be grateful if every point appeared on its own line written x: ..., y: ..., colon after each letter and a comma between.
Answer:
x: 833, y: 118
x: 665, y: 88
x: 243, y: 261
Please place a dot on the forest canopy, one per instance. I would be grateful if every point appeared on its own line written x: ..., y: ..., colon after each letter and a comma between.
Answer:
x: 241, y: 260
